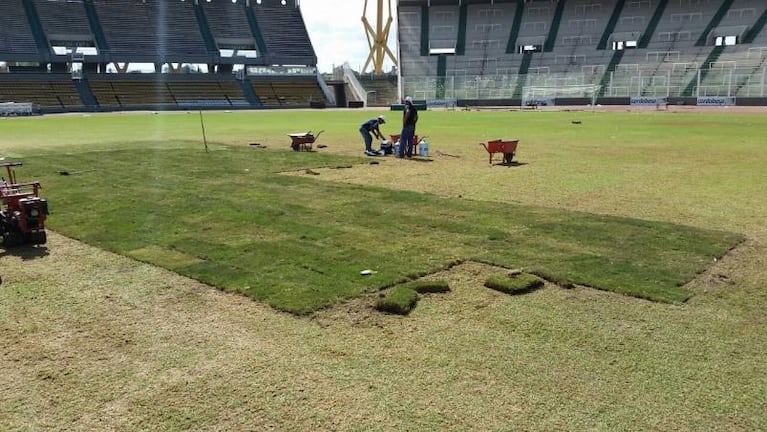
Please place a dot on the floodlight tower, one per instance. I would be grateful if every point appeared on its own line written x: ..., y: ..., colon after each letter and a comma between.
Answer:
x: 378, y: 39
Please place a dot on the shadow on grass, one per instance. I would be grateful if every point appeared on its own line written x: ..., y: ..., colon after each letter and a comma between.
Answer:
x: 511, y: 164
x: 26, y: 253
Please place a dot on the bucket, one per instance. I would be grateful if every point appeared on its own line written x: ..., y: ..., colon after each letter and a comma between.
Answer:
x: 396, y: 148
x: 423, y: 148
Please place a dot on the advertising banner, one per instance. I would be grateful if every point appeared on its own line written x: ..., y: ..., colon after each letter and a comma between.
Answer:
x: 716, y: 101
x: 648, y: 101
x: 441, y: 103
x: 537, y: 102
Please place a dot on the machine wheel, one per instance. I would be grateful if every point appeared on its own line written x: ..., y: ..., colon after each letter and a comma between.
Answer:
x: 34, y: 238
x: 40, y: 238
x: 11, y: 239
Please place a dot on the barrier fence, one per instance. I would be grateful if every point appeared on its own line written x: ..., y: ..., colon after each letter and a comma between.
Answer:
x: 694, y: 83
x: 9, y: 109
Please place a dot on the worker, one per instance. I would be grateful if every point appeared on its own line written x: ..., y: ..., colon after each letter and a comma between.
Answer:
x: 409, y: 119
x: 372, y: 126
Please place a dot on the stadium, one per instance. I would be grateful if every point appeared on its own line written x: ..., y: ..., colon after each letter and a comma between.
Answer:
x: 242, y: 55
x: 222, y: 255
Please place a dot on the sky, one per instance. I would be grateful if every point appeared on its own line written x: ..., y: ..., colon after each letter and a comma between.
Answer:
x: 337, y: 33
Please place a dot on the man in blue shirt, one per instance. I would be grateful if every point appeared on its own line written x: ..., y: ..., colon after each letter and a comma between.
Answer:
x: 371, y: 126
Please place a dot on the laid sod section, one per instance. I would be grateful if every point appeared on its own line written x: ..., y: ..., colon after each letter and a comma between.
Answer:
x: 225, y: 218
x: 400, y: 300
x: 403, y: 298
x: 658, y: 255
x: 518, y: 284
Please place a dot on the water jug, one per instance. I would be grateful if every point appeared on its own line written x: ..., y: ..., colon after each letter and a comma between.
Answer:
x: 423, y: 148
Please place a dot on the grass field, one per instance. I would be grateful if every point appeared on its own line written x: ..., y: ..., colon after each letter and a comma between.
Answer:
x: 641, y: 204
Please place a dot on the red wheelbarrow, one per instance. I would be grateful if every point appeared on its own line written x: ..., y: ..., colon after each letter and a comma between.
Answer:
x: 416, y: 141
x: 395, y: 138
x: 506, y: 147
x: 303, y: 141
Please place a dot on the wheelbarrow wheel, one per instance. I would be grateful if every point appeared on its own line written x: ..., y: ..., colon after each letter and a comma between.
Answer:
x: 508, y: 157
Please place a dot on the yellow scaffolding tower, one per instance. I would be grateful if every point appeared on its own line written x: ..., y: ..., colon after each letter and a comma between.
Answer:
x: 378, y: 39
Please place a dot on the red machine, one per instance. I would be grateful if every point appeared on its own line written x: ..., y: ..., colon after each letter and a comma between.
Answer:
x: 23, y: 212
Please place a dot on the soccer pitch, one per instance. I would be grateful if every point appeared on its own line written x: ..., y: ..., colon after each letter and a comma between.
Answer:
x: 644, y: 205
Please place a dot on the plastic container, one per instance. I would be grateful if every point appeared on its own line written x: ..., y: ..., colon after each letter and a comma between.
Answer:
x: 396, y: 148
x: 423, y: 148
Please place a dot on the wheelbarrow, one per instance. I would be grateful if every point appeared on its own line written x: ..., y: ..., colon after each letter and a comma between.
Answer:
x: 303, y: 141
x: 416, y: 140
x: 507, y: 148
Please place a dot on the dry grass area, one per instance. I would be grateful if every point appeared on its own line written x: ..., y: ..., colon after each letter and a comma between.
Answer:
x: 92, y: 341
x: 531, y: 183
x: 96, y: 341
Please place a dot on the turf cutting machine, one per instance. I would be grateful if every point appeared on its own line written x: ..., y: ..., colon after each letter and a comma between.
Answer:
x: 23, y: 212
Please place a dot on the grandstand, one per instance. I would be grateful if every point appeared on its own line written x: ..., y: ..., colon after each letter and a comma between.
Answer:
x: 85, y: 55
x: 380, y: 90
x: 104, y: 55
x: 492, y: 51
